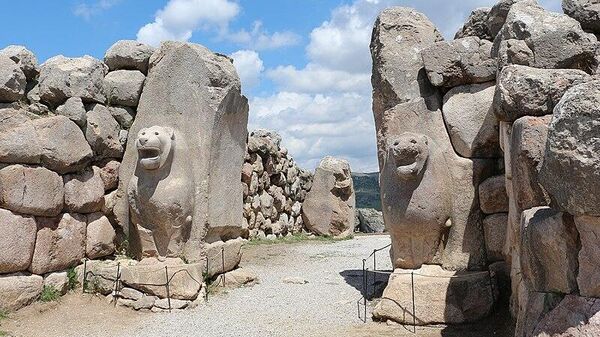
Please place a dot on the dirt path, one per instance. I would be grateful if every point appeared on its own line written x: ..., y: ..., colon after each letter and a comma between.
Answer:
x: 325, y: 306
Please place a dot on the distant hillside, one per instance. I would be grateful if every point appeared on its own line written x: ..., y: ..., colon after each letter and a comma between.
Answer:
x: 366, y: 186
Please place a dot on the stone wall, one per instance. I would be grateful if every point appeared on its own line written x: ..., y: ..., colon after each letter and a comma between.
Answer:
x: 514, y: 92
x: 274, y: 187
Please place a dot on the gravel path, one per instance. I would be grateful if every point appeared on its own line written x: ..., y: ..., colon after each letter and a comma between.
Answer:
x: 325, y: 306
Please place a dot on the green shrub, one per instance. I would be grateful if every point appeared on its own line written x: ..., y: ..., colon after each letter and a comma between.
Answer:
x: 72, y: 277
x: 49, y: 294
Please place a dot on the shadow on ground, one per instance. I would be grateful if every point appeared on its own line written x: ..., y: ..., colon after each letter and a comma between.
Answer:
x: 376, y: 282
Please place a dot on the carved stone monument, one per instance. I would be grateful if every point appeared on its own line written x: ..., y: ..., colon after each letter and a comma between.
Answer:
x: 186, y: 146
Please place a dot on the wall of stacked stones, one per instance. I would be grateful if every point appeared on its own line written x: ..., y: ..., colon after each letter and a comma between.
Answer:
x: 63, y: 126
x: 274, y: 187
x: 519, y: 87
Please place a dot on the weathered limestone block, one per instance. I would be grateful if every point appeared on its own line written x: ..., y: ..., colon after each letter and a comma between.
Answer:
x: 263, y: 142
x: 574, y: 317
x: 573, y: 151
x: 60, y: 243
x: 526, y: 91
x: 536, y: 307
x: 16, y: 242
x: 588, y: 278
x: 513, y: 51
x: 370, y: 220
x: 463, y: 61
x: 469, y: 116
x: 527, y: 144
x: 109, y: 173
x: 64, y: 148
x: 123, y: 115
x: 84, y: 192
x: 12, y: 80
x: 62, y: 77
x: 124, y: 87
x: 494, y: 228
x: 17, y: 291
x: 58, y: 281
x: 549, y: 250
x: 101, y: 236
x: 492, y: 195
x: 187, y: 146
x: 102, y: 133
x: 330, y: 205
x: 440, y: 296
x: 13, y: 117
x: 74, y: 110
x: 476, y: 25
x: 24, y: 58
x: 555, y: 40
x: 31, y: 190
x: 587, y: 12
x: 497, y: 15
x: 20, y: 144
x: 128, y: 54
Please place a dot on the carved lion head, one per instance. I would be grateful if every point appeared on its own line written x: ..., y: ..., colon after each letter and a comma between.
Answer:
x: 409, y: 153
x: 154, y: 145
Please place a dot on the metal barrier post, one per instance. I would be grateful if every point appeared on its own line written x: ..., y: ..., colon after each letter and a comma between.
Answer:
x: 205, y: 281
x: 167, y: 285
x: 365, y: 290
x: 83, y: 286
x: 412, y: 284
x: 374, y: 268
x: 223, y: 265
x: 117, y: 281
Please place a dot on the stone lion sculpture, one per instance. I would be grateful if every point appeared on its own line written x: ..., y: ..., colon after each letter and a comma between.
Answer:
x: 160, y: 195
x: 418, y: 209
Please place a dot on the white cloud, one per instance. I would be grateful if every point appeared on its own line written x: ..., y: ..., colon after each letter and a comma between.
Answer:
x: 259, y: 39
x: 88, y: 9
x: 316, y: 78
x: 180, y: 18
x: 249, y: 67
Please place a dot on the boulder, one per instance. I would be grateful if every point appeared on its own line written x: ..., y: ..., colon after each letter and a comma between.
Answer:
x: 18, y: 291
x: 536, y: 306
x: 24, y: 58
x: 497, y: 15
x: 527, y: 144
x: 166, y: 304
x: 236, y: 278
x: 494, y: 229
x: 526, y: 91
x: 124, y: 87
x: 329, y: 206
x: 574, y: 316
x: 62, y: 77
x: 84, y: 191
x: 109, y: 173
x: 492, y: 195
x: 17, y: 241
x: 554, y: 40
x: 370, y: 220
x: 440, y: 296
x: 64, y: 148
x: 549, y: 250
x: 102, y: 133
x: 12, y: 80
x: 587, y: 12
x: 60, y: 243
x: 58, y: 281
x: 263, y: 142
x: 101, y: 236
x: 123, y: 115
x: 572, y: 151
x: 128, y: 54
x: 469, y: 116
x: 31, y: 190
x: 476, y: 25
x: 146, y: 302
x: 131, y: 294
x: 589, y: 255
x: 20, y: 144
x: 192, y: 99
x: 74, y: 110
x: 13, y: 117
x: 463, y: 61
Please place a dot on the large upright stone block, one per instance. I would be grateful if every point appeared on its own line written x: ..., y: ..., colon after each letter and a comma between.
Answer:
x: 588, y: 278
x: 329, y: 206
x: 186, y: 146
x: 16, y: 242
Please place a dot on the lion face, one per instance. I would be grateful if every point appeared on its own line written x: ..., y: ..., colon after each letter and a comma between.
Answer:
x: 409, y: 153
x: 154, y: 145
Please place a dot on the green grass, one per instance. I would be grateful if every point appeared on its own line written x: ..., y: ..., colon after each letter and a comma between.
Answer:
x: 296, y: 238
x: 3, y: 316
x: 49, y: 294
x: 72, y: 276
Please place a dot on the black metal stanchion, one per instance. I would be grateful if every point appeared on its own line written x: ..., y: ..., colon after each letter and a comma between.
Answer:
x: 365, y: 290
x: 167, y: 285
x: 223, y: 265
x: 83, y: 286
x: 412, y: 285
x: 118, y: 276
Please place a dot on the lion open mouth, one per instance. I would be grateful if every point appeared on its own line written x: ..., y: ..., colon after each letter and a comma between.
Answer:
x: 149, y: 157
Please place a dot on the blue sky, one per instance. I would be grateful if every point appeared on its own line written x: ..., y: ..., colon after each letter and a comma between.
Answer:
x: 305, y: 64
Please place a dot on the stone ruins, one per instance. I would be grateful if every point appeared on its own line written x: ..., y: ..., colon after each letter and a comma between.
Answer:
x: 488, y: 151
x: 127, y: 174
